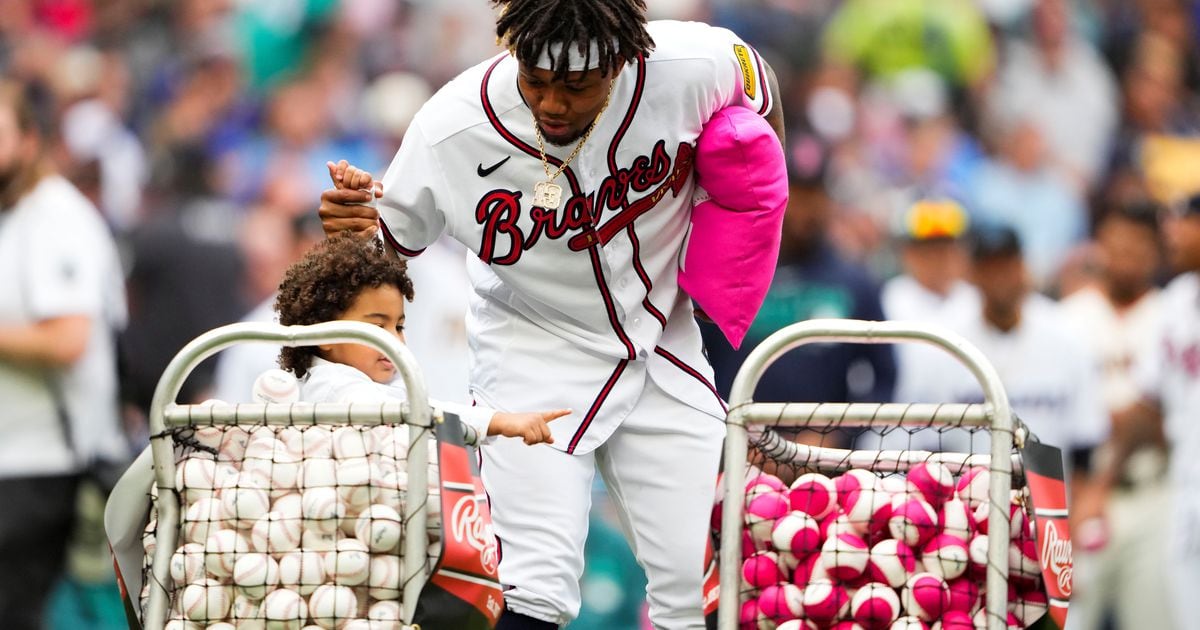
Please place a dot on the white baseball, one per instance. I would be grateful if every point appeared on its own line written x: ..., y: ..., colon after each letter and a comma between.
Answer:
x: 209, y: 436
x: 292, y: 439
x: 233, y: 444
x: 187, y: 564
x: 360, y: 624
x: 246, y: 612
x: 245, y: 504
x: 351, y: 563
x: 150, y: 538
x: 182, y: 624
x: 351, y: 442
x: 255, y: 574
x: 312, y: 540
x: 379, y: 527
x: 316, y: 442
x: 354, y: 482
x: 322, y: 509
x: 221, y: 551
x: 330, y: 605
x: 318, y: 473
x: 195, y: 478
x: 385, y: 611
x: 288, y: 505
x: 384, y: 579
x: 302, y: 571
x: 205, y: 601
x: 284, y: 609
x: 221, y: 625
x: 202, y: 518
x: 276, y: 386
x: 276, y: 533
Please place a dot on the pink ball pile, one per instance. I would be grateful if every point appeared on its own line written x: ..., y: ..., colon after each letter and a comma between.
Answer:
x: 860, y: 552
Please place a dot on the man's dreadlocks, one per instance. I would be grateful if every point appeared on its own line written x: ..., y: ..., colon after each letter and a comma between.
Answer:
x: 527, y: 27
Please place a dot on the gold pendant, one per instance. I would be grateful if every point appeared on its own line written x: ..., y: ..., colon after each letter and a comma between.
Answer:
x: 547, y: 195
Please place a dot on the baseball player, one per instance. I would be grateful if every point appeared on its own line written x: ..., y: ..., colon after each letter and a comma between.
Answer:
x: 564, y: 165
x: 1169, y: 377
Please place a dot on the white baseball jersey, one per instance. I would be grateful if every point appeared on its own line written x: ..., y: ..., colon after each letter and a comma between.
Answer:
x: 1170, y: 374
x: 905, y: 299
x: 327, y: 381
x: 1048, y: 374
x: 1117, y: 337
x: 574, y: 307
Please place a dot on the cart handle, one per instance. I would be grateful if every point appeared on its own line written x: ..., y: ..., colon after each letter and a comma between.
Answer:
x: 741, y: 407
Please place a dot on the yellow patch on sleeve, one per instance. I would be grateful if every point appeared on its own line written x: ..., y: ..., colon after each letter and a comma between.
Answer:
x: 749, y: 83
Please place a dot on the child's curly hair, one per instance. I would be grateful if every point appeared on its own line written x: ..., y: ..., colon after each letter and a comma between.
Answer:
x: 321, y: 287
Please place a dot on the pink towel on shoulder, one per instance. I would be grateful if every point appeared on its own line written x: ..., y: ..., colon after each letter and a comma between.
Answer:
x: 733, y: 246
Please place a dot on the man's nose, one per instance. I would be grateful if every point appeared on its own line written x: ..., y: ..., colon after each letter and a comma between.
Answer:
x: 554, y: 102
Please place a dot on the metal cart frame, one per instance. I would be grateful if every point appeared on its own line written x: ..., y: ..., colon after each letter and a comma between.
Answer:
x: 746, y: 417
x: 166, y: 414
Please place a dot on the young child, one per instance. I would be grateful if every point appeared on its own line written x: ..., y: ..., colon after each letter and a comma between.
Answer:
x: 350, y: 279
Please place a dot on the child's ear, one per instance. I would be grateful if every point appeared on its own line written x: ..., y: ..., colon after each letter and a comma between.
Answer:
x: 323, y: 350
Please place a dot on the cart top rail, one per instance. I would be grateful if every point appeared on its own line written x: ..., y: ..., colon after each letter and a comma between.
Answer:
x: 218, y: 339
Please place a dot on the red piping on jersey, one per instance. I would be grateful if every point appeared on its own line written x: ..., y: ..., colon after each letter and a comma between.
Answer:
x: 638, y: 86
x: 762, y: 76
x: 609, y: 304
x: 641, y: 272
x: 391, y: 240
x: 587, y: 420
x: 660, y: 351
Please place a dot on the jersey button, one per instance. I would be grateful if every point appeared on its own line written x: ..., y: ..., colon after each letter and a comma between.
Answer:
x: 624, y: 282
x: 637, y: 321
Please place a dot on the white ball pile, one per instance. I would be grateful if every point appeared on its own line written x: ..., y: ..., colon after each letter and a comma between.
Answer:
x: 286, y: 528
x: 861, y: 551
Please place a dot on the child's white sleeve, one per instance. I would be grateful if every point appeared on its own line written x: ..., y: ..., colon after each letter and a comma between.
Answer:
x: 478, y: 418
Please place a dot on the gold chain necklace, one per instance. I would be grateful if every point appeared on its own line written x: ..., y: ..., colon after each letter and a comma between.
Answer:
x: 547, y: 194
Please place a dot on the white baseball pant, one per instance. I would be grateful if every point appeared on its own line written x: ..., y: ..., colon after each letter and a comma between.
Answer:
x: 660, y: 466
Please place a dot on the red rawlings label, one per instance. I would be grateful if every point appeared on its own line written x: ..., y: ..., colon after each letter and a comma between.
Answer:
x: 1048, y: 491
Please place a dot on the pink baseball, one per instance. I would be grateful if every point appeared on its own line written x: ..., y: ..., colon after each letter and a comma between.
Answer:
x: 814, y: 494
x: 869, y: 510
x: 825, y: 601
x: 973, y: 486
x: 796, y: 533
x: 925, y: 596
x: 945, y: 556
x: 933, y: 481
x: 908, y: 623
x: 891, y: 562
x: 957, y: 620
x: 1030, y: 606
x: 913, y: 521
x: 761, y: 513
x: 853, y: 481
x: 955, y: 518
x: 781, y: 602
x: 845, y: 557
x: 964, y: 595
x: 762, y: 569
x: 875, y: 606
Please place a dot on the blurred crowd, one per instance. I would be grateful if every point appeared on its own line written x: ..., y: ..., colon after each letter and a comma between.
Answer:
x: 1000, y: 167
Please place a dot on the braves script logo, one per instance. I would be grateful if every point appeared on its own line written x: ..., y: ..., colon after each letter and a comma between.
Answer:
x: 499, y: 211
x: 467, y: 525
x: 1056, y: 556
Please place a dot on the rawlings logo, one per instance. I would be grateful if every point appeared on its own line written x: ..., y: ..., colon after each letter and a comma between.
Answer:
x: 1056, y: 556
x: 467, y: 525
x: 499, y: 211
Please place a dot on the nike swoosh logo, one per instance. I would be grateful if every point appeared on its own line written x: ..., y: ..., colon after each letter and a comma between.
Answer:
x: 484, y: 172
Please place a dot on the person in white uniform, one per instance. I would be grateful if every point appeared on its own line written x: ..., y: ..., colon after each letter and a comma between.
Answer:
x: 1119, y: 558
x: 62, y: 299
x: 933, y: 287
x: 1047, y: 371
x: 1169, y: 379
x: 564, y: 166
